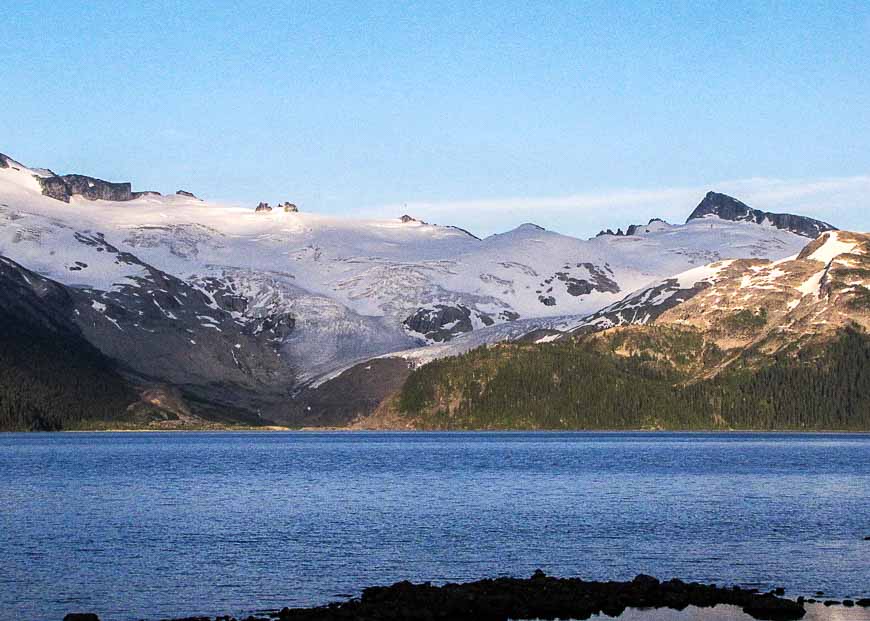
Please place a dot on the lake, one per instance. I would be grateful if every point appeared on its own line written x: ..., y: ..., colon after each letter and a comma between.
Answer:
x: 150, y: 525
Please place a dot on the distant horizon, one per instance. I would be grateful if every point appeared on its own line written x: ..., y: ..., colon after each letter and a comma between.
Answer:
x: 673, y: 205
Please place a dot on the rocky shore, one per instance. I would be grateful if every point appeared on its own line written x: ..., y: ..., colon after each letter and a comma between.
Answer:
x: 537, y: 597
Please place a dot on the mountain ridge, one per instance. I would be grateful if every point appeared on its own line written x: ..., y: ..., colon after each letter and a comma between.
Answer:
x: 729, y: 208
x: 249, y: 309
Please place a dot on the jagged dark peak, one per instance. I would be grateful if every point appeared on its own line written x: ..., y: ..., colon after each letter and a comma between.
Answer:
x: 729, y: 208
x: 4, y: 161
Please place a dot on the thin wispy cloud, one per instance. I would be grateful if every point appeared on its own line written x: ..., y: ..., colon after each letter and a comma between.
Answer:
x: 843, y: 201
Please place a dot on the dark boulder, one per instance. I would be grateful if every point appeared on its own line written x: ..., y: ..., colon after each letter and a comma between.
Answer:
x: 772, y: 608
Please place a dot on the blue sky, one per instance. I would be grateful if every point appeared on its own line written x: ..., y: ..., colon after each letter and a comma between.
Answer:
x: 575, y: 115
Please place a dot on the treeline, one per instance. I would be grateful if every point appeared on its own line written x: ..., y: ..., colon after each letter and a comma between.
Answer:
x: 51, y: 380
x: 586, y: 385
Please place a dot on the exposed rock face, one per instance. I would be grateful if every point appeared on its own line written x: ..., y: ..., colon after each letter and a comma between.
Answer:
x: 598, y: 280
x: 290, y: 208
x: 728, y: 208
x: 157, y: 330
x: 4, y: 161
x: 442, y: 322
x: 186, y: 193
x: 91, y: 188
x: 406, y: 219
x: 263, y: 208
x: 642, y: 307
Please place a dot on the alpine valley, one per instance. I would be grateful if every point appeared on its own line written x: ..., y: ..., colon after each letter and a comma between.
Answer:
x: 124, y: 309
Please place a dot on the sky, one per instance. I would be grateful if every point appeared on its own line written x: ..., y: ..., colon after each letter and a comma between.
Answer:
x: 574, y: 115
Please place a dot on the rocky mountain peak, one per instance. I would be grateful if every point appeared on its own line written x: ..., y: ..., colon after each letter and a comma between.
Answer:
x: 729, y: 208
x: 721, y: 205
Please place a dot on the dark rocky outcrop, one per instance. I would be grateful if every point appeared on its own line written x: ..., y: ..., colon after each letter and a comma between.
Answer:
x: 538, y: 597
x: 290, y: 207
x: 263, y: 208
x: 4, y: 161
x: 63, y: 187
x: 631, y: 230
x: 441, y: 322
x: 598, y: 280
x: 728, y: 208
x: 641, y: 307
x: 186, y: 193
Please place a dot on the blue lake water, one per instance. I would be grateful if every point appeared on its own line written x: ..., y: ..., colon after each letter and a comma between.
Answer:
x: 136, y: 526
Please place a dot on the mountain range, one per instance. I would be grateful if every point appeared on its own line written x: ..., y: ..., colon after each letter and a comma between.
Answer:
x: 134, y: 309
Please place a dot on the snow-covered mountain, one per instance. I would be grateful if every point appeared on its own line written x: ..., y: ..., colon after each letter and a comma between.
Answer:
x: 324, y: 292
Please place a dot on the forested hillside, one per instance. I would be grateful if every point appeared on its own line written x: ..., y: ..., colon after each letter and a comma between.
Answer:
x: 53, y: 380
x: 657, y: 377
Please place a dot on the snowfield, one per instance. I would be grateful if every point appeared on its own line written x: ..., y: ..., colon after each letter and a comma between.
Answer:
x: 361, y: 288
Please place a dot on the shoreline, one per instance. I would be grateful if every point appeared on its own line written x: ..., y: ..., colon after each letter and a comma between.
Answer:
x: 356, y: 430
x: 537, y: 597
